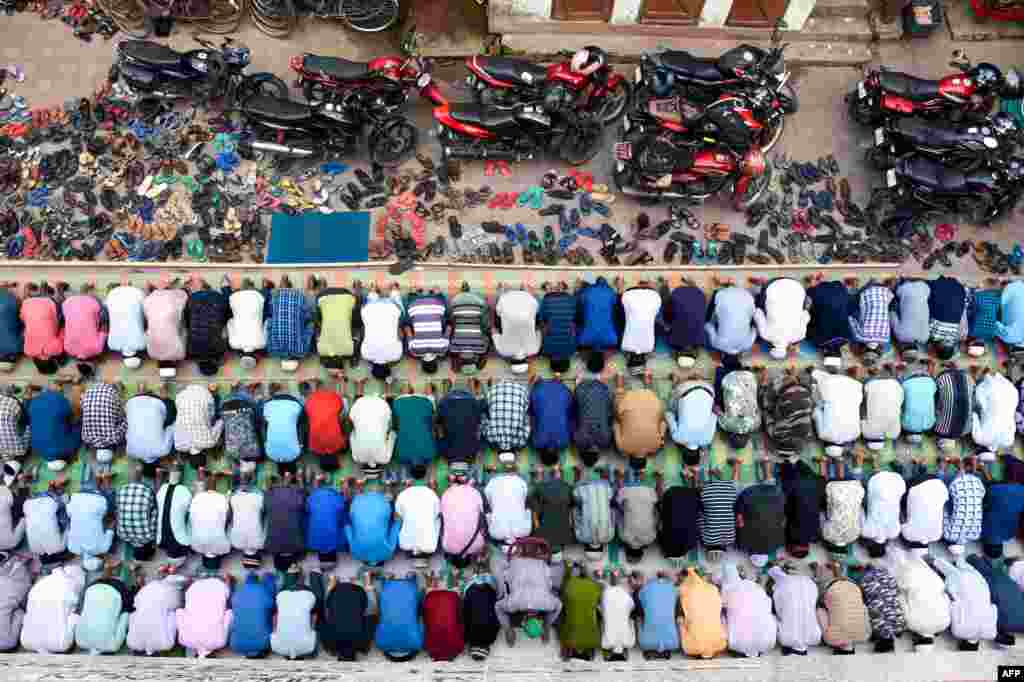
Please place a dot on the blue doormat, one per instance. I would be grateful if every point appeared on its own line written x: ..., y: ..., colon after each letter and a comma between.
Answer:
x: 319, y: 238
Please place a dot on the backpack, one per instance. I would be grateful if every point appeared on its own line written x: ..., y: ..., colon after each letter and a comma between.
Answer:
x: 241, y: 434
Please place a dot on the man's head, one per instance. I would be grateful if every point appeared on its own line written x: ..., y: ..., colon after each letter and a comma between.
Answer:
x: 381, y: 372
x: 208, y: 368
x: 429, y: 364
x: 595, y: 361
x: 549, y: 456
x: 560, y: 365
x: 945, y: 351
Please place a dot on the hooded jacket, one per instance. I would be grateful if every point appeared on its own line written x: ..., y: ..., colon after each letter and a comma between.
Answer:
x: 748, y: 613
x: 15, y: 582
x: 658, y: 601
x: 837, y: 400
x: 196, y: 427
x: 245, y: 328
x: 1006, y: 594
x: 248, y: 531
x: 127, y: 320
x: 730, y: 327
x: 43, y: 323
x: 85, y: 326
x: 12, y: 332
x: 973, y: 616
x: 782, y: 317
x: 165, y: 329
x: 54, y: 435
x: 327, y: 516
x: 923, y: 593
x: 795, y: 598
x: 910, y: 316
x: 372, y: 532
x: 701, y: 629
x: 103, y: 624
x: 153, y: 625
x: 994, y: 424
x: 883, y: 407
x: 50, y: 617
x: 12, y: 519
x: 252, y: 608
x: 205, y: 621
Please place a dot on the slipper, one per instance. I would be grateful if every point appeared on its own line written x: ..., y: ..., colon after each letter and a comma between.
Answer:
x: 503, y: 169
x: 489, y: 168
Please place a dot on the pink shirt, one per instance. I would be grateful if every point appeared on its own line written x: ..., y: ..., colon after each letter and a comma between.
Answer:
x: 462, y: 509
x: 44, y: 337
x: 165, y: 333
x: 84, y: 337
x: 204, y: 623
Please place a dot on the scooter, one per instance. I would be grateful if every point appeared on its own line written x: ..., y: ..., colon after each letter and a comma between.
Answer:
x: 477, y: 131
x: 325, y: 79
x: 152, y: 70
x: 917, y: 185
x: 969, y: 95
x: 508, y: 82
x: 965, y: 147
x: 296, y: 130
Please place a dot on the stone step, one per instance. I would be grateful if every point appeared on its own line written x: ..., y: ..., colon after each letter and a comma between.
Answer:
x: 627, y: 48
x: 857, y: 9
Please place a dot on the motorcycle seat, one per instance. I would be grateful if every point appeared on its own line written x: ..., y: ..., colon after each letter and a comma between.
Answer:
x: 908, y: 86
x: 694, y: 67
x: 518, y: 71
x: 934, y: 132
x: 933, y: 174
x: 150, y: 52
x: 280, y: 109
x: 337, y: 67
x: 481, y: 115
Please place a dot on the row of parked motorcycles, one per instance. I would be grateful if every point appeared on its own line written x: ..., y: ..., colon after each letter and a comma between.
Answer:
x: 691, y: 127
x: 937, y: 144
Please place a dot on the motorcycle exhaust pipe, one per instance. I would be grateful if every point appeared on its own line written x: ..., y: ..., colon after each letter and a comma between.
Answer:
x: 643, y: 194
x: 281, y: 149
x: 470, y: 153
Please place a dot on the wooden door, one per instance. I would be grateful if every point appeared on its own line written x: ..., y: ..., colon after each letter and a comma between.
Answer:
x: 671, y: 11
x: 756, y: 13
x: 582, y: 10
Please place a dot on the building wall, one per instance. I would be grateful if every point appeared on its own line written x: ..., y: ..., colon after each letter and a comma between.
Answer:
x: 625, y: 12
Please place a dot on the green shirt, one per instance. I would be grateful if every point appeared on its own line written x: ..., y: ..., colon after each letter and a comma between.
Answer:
x: 579, y: 629
x: 551, y: 501
x: 413, y: 416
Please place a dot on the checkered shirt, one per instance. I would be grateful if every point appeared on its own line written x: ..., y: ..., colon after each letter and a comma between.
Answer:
x: 104, y: 423
x: 14, y: 439
x: 985, y: 314
x: 136, y: 514
x: 953, y: 332
x: 871, y: 324
x: 507, y: 423
x: 290, y: 330
x: 195, y: 428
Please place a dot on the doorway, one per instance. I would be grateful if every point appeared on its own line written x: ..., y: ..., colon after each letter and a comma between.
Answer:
x: 756, y: 13
x: 671, y: 11
x: 582, y: 10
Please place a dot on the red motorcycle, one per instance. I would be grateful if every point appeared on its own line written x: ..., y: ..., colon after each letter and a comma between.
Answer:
x: 333, y: 79
x: 887, y: 94
x: 507, y: 83
x: 681, y: 152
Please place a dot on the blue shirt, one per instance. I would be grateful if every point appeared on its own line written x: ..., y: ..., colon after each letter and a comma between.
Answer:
x: 290, y: 327
x: 1003, y: 505
x: 252, y: 606
x: 372, y: 530
x: 918, y: 404
x: 53, y: 435
x: 551, y: 410
x: 731, y: 327
x: 1010, y: 326
x: 281, y: 415
x: 830, y: 314
x: 327, y: 515
x: 600, y: 310
x: 558, y: 314
x: 693, y: 422
x: 400, y: 630
x: 659, y: 632
x: 12, y: 333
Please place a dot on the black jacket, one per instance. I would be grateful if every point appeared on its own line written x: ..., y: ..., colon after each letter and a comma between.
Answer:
x: 678, y: 511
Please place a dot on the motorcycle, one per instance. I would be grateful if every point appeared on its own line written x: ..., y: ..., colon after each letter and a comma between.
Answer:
x: 507, y: 83
x: 478, y: 131
x: 917, y: 185
x: 152, y: 70
x: 297, y: 130
x: 690, y: 154
x: 332, y: 79
x: 889, y: 94
x: 742, y: 69
x: 965, y: 147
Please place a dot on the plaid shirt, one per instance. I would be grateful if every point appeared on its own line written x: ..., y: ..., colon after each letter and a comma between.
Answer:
x: 136, y: 514
x: 14, y: 438
x: 871, y: 324
x: 290, y: 328
x: 506, y: 425
x: 104, y: 424
x: 195, y: 428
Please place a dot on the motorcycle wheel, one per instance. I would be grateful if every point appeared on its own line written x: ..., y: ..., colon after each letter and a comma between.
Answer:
x: 314, y: 91
x: 582, y: 142
x: 394, y: 144
x: 755, y: 190
x: 977, y: 210
x: 775, y: 125
x: 879, y: 157
x: 616, y: 102
x: 260, y: 84
x: 788, y: 99
x: 889, y: 212
x: 114, y: 74
x: 860, y: 112
x: 642, y: 97
x: 369, y: 16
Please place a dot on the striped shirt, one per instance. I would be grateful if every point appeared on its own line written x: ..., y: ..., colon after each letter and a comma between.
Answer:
x: 468, y: 315
x: 954, y: 401
x: 592, y: 513
x: 425, y: 315
x: 718, y: 522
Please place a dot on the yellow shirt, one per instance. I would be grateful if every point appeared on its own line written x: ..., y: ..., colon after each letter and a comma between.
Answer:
x: 701, y: 629
x: 336, y: 325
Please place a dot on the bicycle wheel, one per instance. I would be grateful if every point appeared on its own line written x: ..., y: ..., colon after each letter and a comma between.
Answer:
x: 369, y: 16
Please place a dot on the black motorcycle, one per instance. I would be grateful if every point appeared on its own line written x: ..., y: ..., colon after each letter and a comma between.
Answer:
x: 152, y: 70
x: 965, y: 147
x: 917, y: 185
x: 294, y: 130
